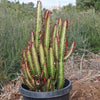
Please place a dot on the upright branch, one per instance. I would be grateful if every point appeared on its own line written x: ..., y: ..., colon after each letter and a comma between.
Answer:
x: 62, y: 40
x: 38, y: 24
x: 47, y: 31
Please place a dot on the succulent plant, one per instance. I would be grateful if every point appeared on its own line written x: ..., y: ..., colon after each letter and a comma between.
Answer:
x: 42, y: 61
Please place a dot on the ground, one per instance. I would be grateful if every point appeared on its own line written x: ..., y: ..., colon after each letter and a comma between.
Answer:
x: 85, y: 80
x: 86, y: 91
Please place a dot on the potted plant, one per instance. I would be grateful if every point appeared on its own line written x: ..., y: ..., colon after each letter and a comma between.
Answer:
x: 42, y: 61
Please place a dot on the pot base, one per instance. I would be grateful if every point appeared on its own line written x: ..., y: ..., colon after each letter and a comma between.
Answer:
x: 65, y: 97
x: 62, y: 94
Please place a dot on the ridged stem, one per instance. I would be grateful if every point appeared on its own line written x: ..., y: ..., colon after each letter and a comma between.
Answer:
x: 62, y: 41
x: 30, y: 62
x: 61, y: 75
x: 56, y: 48
x: 30, y: 84
x: 32, y: 37
x: 47, y: 31
x: 56, y: 55
x: 38, y: 24
x: 24, y: 56
x: 24, y: 70
x: 54, y: 34
x: 48, y: 85
x: 59, y: 26
x: 28, y: 72
x: 22, y: 80
x: 53, y: 85
x: 47, y: 60
x: 70, y: 51
x: 42, y: 56
x: 52, y: 66
x: 35, y: 59
x: 42, y: 60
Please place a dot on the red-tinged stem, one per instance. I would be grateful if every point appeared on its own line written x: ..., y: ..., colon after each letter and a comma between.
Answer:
x: 39, y: 2
x: 32, y: 36
x: 66, y: 48
x: 28, y: 47
x: 66, y: 22
x: 70, y: 51
x: 45, y: 14
x: 53, y: 34
x: 24, y: 70
x: 47, y: 31
x: 29, y: 57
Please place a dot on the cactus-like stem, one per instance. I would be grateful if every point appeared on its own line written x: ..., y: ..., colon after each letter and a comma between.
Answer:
x: 42, y: 56
x: 47, y: 60
x: 56, y: 55
x: 48, y: 85
x: 62, y: 41
x: 35, y: 59
x: 24, y: 70
x: 46, y: 14
x: 56, y: 48
x: 42, y: 74
x: 70, y: 51
x: 32, y: 36
x: 61, y: 55
x: 33, y: 82
x: 24, y: 56
x: 59, y: 26
x: 53, y: 85
x: 30, y: 84
x: 61, y: 75
x: 42, y: 60
x: 44, y: 25
x: 47, y: 31
x: 57, y: 67
x: 38, y: 23
x: 22, y: 80
x: 45, y: 71
x: 30, y: 61
x: 52, y: 66
x: 54, y: 34
x: 66, y: 48
x: 28, y: 72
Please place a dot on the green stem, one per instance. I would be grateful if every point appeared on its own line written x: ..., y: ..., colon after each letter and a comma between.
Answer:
x: 38, y: 24
x: 35, y: 59
x: 42, y: 60
x: 52, y: 66
x: 61, y: 75
x: 30, y: 62
x: 70, y: 51
x: 47, y: 60
x: 62, y: 41
x: 47, y: 32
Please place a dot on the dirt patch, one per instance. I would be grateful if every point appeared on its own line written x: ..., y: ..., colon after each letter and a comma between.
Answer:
x: 86, y: 91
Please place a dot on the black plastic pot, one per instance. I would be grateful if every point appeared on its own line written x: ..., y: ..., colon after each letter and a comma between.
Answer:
x: 62, y: 94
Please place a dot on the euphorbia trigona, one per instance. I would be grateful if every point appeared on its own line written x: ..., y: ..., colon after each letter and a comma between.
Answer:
x: 42, y: 61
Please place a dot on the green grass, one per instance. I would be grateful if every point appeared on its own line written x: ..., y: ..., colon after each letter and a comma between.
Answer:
x: 15, y: 29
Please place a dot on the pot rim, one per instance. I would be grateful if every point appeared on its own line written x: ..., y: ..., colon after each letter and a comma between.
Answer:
x: 49, y: 94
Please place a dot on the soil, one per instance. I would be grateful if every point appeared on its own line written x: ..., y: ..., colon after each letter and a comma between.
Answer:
x: 85, y: 82
x: 86, y: 91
